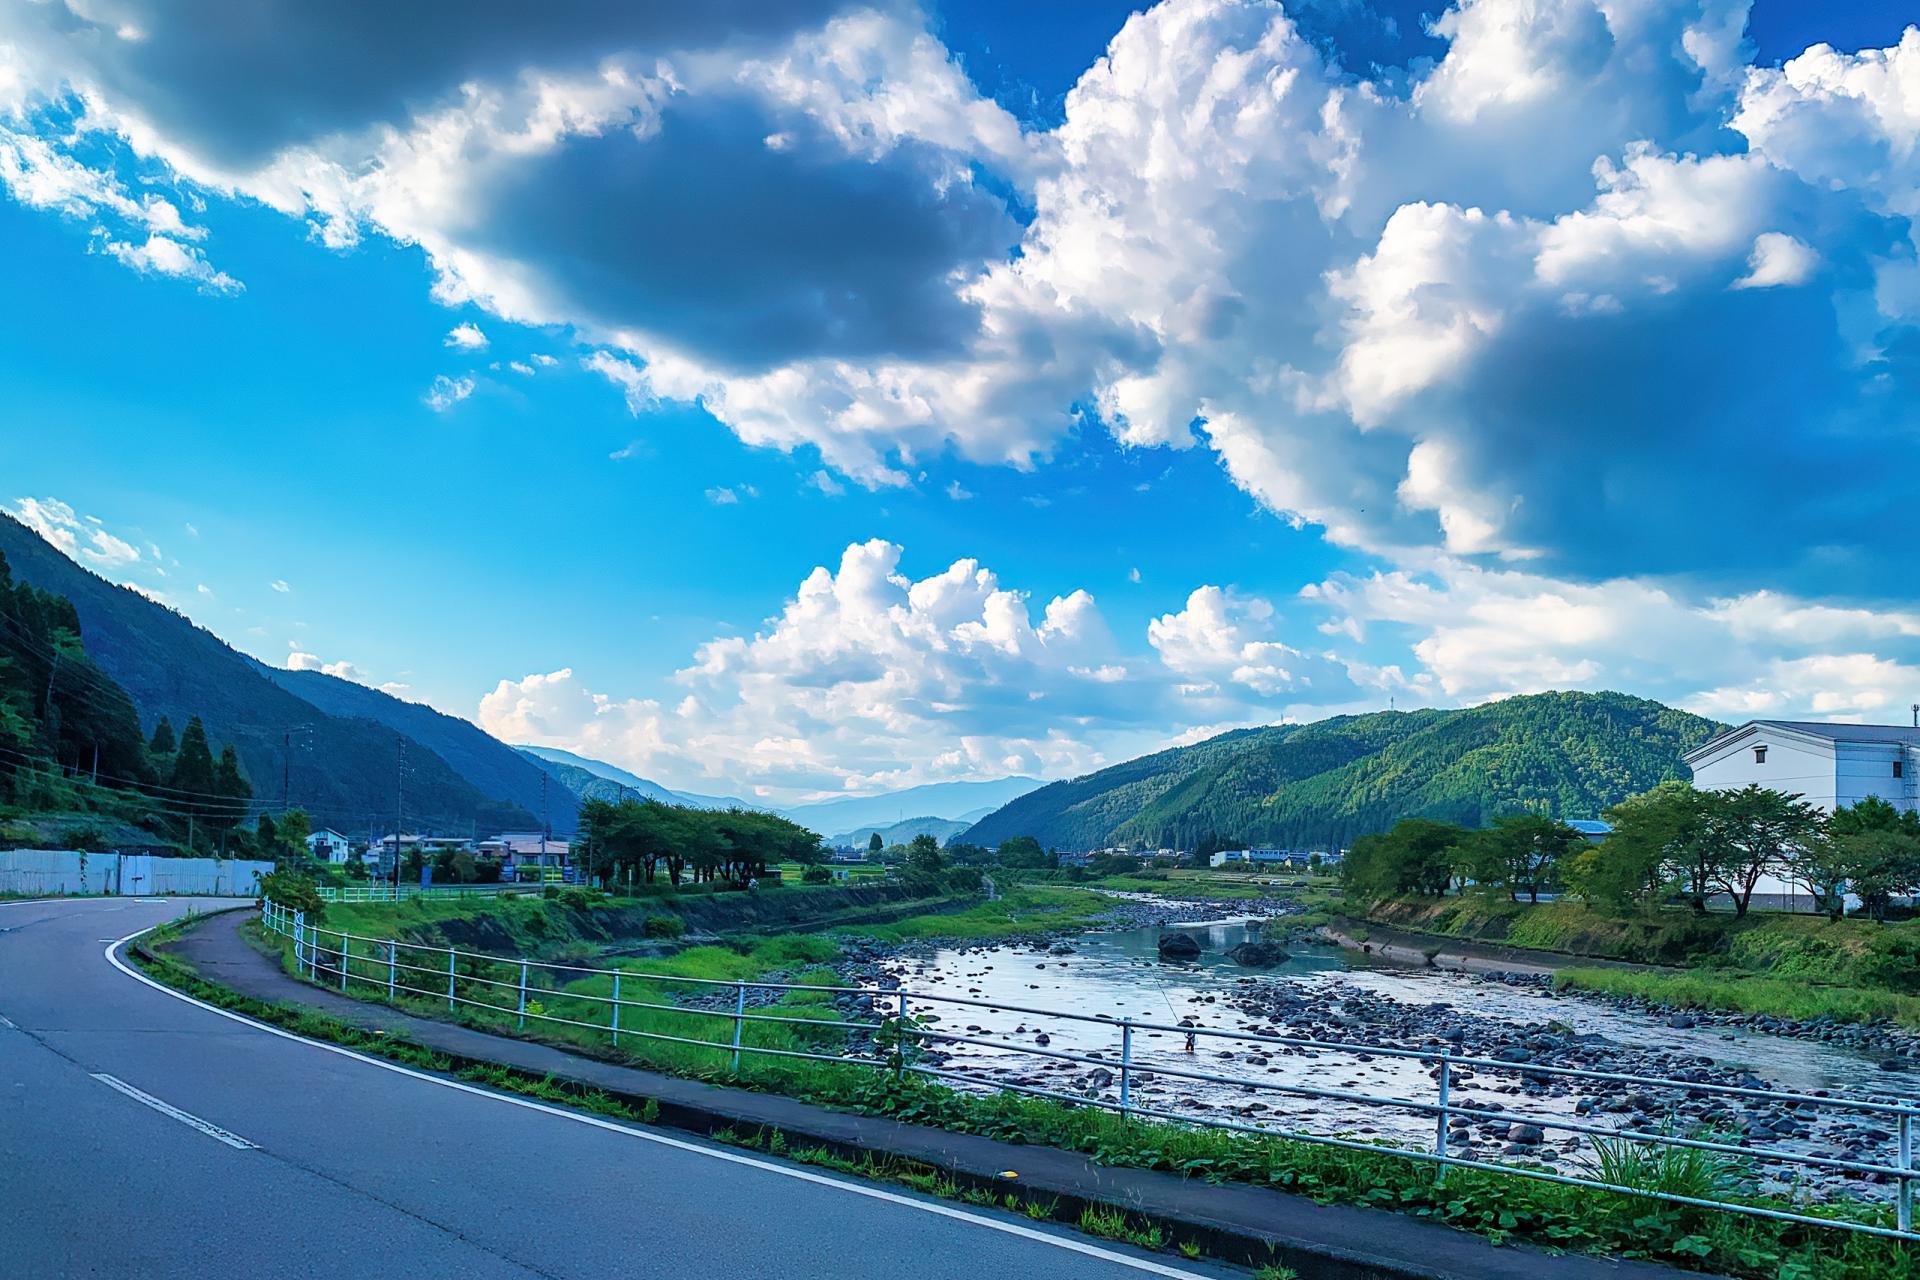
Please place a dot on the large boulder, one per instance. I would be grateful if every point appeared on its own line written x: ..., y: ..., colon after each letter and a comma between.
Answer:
x: 1178, y: 946
x: 1257, y: 955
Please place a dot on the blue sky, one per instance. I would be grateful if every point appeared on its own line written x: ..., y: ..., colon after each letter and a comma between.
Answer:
x: 1289, y: 365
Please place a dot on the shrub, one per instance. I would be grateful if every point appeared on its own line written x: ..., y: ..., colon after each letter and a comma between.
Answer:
x: 663, y: 927
x: 574, y: 899
x: 293, y: 891
x: 964, y: 879
x: 816, y: 875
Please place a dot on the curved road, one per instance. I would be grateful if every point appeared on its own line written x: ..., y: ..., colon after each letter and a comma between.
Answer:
x: 145, y: 1135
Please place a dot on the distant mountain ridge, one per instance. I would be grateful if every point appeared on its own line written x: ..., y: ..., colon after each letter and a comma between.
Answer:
x: 941, y: 829
x: 951, y: 804
x: 949, y: 800
x: 1322, y: 784
x: 342, y: 767
x: 591, y: 779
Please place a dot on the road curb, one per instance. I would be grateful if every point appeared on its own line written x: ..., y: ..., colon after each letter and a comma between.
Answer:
x: 1232, y: 1221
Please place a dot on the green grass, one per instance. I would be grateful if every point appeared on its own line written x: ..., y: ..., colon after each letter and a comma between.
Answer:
x: 1736, y: 992
x: 1020, y: 912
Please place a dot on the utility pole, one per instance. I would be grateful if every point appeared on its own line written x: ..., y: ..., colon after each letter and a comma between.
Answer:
x: 543, y: 826
x: 399, y: 805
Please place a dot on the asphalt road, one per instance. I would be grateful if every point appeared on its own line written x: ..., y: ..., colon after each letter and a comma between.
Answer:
x: 259, y: 1155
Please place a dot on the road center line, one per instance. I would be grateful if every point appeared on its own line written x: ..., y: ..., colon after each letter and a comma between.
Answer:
x: 213, y: 1131
x: 1071, y: 1245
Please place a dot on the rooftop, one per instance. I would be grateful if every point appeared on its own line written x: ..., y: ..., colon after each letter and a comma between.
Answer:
x: 1850, y: 732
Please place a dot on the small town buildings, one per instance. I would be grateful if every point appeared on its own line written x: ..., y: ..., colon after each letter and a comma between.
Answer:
x: 1288, y: 859
x: 1593, y: 829
x: 1831, y: 766
x: 330, y: 846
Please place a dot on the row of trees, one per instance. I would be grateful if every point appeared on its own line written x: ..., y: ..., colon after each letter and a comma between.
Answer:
x: 1671, y: 842
x: 640, y: 841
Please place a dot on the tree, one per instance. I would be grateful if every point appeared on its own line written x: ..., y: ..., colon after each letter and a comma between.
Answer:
x: 875, y: 844
x: 1871, y: 848
x: 163, y: 743
x: 1758, y: 831
x: 231, y: 785
x: 1520, y: 853
x: 923, y: 855
x: 1417, y: 856
x: 1023, y: 853
x: 1657, y: 839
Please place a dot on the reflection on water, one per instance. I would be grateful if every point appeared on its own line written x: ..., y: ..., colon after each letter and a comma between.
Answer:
x: 1118, y: 974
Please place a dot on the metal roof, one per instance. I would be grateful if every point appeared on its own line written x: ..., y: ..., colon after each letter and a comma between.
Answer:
x: 1590, y: 826
x: 1850, y: 732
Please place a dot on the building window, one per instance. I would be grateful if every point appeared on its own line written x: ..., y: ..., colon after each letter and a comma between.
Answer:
x: 1899, y: 768
x: 1759, y: 755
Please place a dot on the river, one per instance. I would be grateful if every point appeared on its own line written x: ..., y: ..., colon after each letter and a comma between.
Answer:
x: 1330, y: 993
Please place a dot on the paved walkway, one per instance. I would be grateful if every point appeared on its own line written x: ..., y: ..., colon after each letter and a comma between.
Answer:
x: 1337, y: 1242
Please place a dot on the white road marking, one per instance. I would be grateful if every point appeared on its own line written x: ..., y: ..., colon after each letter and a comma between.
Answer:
x: 1146, y: 1265
x: 4, y: 1022
x: 213, y: 1131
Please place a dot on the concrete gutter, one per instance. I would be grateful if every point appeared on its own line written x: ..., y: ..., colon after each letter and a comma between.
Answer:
x: 1234, y: 1221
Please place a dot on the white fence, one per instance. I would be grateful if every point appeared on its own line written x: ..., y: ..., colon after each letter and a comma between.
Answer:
x: 568, y: 995
x: 387, y: 893
x: 52, y: 873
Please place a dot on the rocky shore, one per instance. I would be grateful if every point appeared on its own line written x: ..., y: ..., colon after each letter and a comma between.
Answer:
x: 1898, y: 1047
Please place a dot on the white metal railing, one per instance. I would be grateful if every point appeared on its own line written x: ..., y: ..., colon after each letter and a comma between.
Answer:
x: 331, y: 957
x: 387, y: 892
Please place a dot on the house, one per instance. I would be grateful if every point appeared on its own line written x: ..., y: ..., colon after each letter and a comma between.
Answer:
x: 1593, y: 829
x: 330, y: 845
x: 515, y: 848
x: 1831, y: 766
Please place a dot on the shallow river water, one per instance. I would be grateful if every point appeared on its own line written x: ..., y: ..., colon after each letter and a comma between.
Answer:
x: 1118, y: 974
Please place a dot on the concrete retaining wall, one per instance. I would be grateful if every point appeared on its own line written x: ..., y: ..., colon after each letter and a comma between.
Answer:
x: 52, y: 872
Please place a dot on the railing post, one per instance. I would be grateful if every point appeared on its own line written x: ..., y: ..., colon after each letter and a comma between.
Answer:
x: 1440, y: 1118
x: 900, y: 1038
x: 299, y: 939
x: 313, y: 953
x: 393, y: 963
x: 449, y: 979
x: 739, y: 1020
x: 616, y: 1006
x: 345, y: 943
x: 1126, y: 1068
x: 523, y: 995
x: 1906, y: 1167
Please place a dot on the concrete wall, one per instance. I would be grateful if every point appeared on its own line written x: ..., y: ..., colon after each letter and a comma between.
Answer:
x: 1793, y: 765
x: 52, y: 872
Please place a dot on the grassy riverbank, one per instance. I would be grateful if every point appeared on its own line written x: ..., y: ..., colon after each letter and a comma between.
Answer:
x: 1497, y: 1206
x: 1773, y: 963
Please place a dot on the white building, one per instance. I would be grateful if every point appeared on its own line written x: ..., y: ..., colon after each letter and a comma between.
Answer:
x: 1831, y: 766
x: 331, y: 845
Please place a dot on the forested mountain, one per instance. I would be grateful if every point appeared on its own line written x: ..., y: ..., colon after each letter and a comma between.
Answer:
x: 1322, y: 784
x: 341, y: 769
x: 491, y: 766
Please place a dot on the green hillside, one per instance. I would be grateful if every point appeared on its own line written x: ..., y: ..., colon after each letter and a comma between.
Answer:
x: 491, y: 766
x: 1564, y: 754
x: 341, y: 769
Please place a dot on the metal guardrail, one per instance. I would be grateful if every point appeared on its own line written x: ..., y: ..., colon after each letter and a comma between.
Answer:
x: 387, y: 893
x: 522, y: 987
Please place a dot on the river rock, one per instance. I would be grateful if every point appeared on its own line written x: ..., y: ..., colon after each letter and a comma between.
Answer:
x: 1178, y: 946
x: 1257, y: 955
